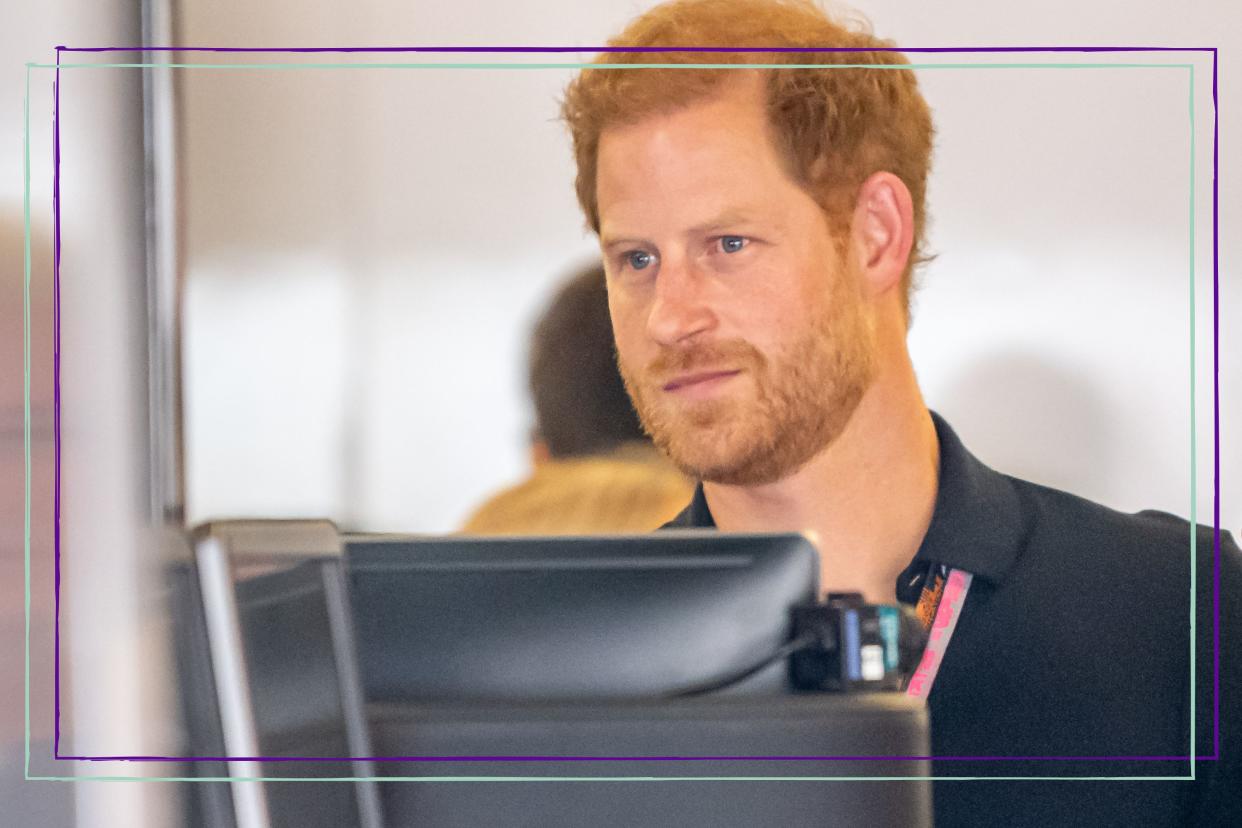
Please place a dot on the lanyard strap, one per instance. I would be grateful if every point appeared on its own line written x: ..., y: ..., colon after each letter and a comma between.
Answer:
x: 945, y: 600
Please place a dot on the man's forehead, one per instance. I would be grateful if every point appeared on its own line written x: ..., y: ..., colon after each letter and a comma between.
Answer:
x: 737, y: 90
x: 708, y: 165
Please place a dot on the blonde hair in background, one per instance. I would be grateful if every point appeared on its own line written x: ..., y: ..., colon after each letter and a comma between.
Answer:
x: 633, y: 489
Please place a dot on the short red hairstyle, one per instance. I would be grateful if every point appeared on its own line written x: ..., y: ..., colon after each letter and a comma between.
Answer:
x: 833, y: 127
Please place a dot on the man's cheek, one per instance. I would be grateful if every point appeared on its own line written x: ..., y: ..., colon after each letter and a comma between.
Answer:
x: 631, y: 354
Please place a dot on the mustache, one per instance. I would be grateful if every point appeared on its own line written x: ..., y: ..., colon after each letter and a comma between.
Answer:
x: 733, y: 353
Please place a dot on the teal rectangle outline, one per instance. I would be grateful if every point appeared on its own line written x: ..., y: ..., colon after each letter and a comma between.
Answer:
x: 510, y: 65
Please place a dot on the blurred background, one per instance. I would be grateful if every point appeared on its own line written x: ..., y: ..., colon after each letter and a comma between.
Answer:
x: 358, y: 256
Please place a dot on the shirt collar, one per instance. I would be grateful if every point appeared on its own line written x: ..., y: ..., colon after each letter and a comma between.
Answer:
x: 977, y: 523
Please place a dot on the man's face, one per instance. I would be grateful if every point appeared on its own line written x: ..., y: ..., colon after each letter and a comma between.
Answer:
x: 740, y: 330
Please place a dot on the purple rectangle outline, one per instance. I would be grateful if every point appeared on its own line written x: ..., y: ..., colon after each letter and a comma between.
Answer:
x: 615, y: 49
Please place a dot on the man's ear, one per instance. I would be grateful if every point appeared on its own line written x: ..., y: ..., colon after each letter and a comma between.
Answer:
x: 882, y: 232
x: 539, y: 452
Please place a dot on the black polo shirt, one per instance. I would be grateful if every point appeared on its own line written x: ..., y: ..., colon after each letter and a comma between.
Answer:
x: 1072, y: 657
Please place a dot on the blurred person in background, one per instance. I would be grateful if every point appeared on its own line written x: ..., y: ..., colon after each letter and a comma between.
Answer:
x: 595, y: 472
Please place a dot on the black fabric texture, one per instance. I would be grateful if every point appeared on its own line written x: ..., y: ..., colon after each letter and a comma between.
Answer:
x: 1074, y: 642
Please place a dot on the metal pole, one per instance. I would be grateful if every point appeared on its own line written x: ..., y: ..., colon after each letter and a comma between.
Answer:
x: 164, y: 270
x: 228, y: 664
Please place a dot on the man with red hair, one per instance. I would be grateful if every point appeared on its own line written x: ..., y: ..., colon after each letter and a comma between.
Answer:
x: 760, y: 228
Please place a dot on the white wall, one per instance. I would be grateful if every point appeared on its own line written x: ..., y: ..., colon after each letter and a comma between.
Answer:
x: 401, y: 227
x: 112, y: 682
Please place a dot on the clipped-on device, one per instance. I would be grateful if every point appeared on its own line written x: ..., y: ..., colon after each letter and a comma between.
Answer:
x: 846, y: 644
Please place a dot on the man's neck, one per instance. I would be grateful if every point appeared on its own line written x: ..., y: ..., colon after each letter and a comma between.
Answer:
x: 867, y: 498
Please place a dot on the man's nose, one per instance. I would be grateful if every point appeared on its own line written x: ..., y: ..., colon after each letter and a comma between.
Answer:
x: 680, y: 309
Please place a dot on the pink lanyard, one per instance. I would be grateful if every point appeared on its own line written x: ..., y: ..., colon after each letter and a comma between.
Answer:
x: 947, y: 612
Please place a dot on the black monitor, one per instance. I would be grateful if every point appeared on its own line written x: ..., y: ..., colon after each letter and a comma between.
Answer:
x: 424, y: 658
x: 591, y: 618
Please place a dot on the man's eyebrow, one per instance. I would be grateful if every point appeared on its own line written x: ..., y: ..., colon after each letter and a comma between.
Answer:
x: 727, y: 220
x: 607, y: 241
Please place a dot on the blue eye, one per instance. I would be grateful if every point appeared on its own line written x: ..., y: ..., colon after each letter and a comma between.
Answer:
x: 732, y: 244
x: 638, y: 259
